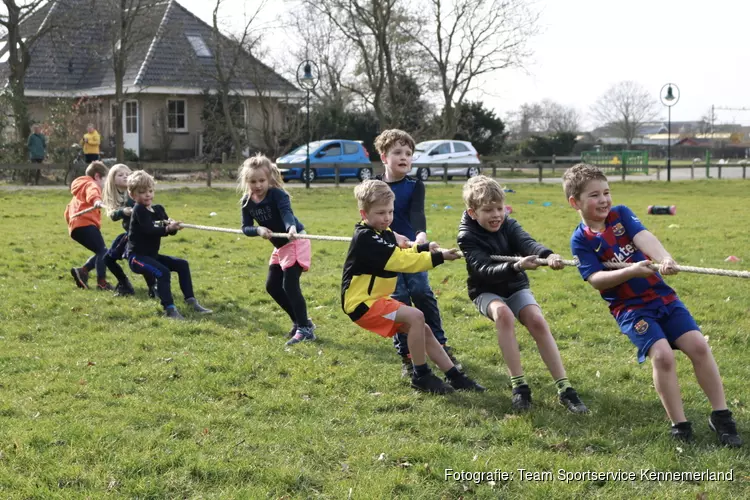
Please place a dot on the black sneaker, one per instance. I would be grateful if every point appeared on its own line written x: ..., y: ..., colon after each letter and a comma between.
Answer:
x: 104, y: 286
x: 430, y: 383
x: 81, y: 277
x: 569, y: 398
x: 521, y: 399
x: 449, y: 351
x: 682, y: 431
x: 124, y: 289
x: 407, y: 368
x: 722, y: 423
x: 303, y: 334
x: 173, y: 313
x: 465, y: 383
x: 193, y: 303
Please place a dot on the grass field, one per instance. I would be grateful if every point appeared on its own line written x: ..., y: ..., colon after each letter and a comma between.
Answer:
x: 102, y: 396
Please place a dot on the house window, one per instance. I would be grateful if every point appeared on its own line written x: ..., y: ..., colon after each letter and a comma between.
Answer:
x: 177, y: 115
x: 199, y: 46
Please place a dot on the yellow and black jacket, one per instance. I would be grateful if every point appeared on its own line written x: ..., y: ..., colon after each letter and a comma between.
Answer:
x: 372, y: 266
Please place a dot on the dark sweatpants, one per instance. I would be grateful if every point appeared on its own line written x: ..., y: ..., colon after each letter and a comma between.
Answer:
x: 283, y: 286
x: 91, y: 238
x: 160, y: 268
x: 117, y: 252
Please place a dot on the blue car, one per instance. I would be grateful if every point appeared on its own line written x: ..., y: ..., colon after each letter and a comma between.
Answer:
x: 353, y: 157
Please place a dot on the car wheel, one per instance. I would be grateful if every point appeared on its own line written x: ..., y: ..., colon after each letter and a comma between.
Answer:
x: 473, y: 172
x: 364, y: 174
x: 313, y: 175
x: 423, y: 173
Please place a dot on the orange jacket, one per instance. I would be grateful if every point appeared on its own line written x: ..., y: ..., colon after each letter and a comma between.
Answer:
x: 85, y: 192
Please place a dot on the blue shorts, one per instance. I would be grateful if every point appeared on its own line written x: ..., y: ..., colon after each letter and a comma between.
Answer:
x: 645, y: 326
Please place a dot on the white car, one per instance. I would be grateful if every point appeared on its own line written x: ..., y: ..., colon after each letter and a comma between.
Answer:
x: 430, y: 155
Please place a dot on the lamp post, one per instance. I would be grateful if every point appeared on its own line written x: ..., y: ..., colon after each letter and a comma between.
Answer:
x: 307, y: 78
x: 669, y: 96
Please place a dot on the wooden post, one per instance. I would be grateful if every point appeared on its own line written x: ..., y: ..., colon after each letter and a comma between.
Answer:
x: 494, y: 169
x: 554, y: 159
x: 658, y: 172
x: 445, y: 173
x: 208, y: 174
x: 539, y: 166
x: 624, y: 166
x: 720, y: 165
x: 743, y: 170
x: 336, y: 174
x: 692, y: 170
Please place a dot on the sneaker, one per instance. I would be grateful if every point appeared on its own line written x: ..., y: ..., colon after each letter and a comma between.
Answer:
x: 682, y: 431
x: 449, y: 351
x: 430, y: 383
x: 304, y: 333
x: 407, y: 367
x: 103, y: 286
x: 81, y: 277
x: 173, y: 313
x: 569, y: 398
x: 193, y: 302
x: 293, y: 330
x: 722, y: 423
x: 123, y: 289
x: 465, y: 383
x: 521, y: 398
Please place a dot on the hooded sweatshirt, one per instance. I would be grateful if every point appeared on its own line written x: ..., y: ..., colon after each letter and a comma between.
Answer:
x: 85, y: 192
x: 92, y: 146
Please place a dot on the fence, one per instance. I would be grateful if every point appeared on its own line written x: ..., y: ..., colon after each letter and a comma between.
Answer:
x: 511, y: 166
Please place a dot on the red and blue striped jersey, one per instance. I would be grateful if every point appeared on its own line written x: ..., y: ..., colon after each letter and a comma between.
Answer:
x: 615, y: 244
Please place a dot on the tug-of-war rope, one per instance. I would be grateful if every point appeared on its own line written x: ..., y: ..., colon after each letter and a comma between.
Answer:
x: 499, y: 258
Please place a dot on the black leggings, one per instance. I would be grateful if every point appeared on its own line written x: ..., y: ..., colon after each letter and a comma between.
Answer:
x: 91, y: 238
x: 283, y: 286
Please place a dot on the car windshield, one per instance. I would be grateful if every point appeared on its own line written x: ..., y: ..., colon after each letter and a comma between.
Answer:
x: 423, y: 147
x: 302, y: 150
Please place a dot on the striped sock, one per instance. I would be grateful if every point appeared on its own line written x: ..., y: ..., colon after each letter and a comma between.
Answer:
x: 517, y: 381
x: 562, y: 384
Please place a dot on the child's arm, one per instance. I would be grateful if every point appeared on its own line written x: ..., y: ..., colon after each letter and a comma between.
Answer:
x: 93, y: 195
x: 480, y: 261
x: 285, y: 208
x: 248, y: 222
x: 593, y: 270
x: 382, y: 254
x: 649, y: 244
x: 416, y: 213
x: 145, y: 222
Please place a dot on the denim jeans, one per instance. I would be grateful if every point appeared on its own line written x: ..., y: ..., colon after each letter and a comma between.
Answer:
x: 415, y: 289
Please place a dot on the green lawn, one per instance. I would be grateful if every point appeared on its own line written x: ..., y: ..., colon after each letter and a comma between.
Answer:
x: 103, y: 396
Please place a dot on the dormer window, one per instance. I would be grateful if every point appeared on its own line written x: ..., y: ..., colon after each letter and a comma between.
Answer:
x: 199, y: 46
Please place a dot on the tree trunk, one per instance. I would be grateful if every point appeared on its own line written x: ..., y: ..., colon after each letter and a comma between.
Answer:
x: 226, y: 108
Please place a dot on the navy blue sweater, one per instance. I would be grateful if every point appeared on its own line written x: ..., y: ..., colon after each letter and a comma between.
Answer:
x: 147, y: 228
x: 408, y: 209
x: 274, y: 212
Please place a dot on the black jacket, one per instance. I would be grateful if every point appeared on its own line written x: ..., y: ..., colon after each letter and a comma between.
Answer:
x: 490, y: 276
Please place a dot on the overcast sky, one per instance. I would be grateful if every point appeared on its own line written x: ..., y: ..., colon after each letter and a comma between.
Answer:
x: 588, y: 45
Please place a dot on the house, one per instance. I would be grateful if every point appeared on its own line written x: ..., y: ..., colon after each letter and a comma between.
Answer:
x: 171, y: 64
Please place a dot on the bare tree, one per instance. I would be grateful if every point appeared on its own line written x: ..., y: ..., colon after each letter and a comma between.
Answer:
x: 466, y: 40
x: 545, y: 117
x: 19, y: 42
x: 625, y: 107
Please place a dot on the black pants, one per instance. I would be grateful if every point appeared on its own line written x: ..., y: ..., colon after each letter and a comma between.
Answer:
x: 160, y: 267
x: 283, y: 286
x: 117, y: 252
x: 90, y: 158
x: 91, y: 238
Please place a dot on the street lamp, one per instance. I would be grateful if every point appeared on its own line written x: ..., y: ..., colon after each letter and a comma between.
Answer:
x: 669, y: 96
x: 307, y: 78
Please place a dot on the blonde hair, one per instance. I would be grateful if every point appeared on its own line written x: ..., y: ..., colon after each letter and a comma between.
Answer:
x: 139, y: 181
x: 112, y: 197
x: 482, y: 190
x: 389, y: 138
x: 96, y: 167
x: 254, y: 163
x: 577, y: 176
x: 372, y: 192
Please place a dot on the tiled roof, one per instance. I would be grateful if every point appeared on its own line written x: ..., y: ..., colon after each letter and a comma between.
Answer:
x: 77, y: 56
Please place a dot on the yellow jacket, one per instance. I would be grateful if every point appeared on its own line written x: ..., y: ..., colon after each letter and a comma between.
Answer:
x: 91, y: 147
x: 372, y: 266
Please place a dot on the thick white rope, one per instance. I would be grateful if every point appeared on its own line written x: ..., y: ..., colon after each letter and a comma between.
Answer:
x: 500, y: 258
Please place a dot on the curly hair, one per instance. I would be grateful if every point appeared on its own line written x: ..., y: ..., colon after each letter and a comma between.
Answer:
x: 574, y: 179
x: 482, y: 190
x: 389, y: 138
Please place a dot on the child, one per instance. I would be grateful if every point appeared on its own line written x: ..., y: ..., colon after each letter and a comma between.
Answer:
x: 148, y: 225
x: 501, y: 291
x: 86, y: 228
x: 645, y: 308
x: 266, y: 201
x: 396, y: 148
x: 370, y: 274
x: 120, y: 207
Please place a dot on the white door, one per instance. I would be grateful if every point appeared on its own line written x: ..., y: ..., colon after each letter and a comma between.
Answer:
x: 130, y: 126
